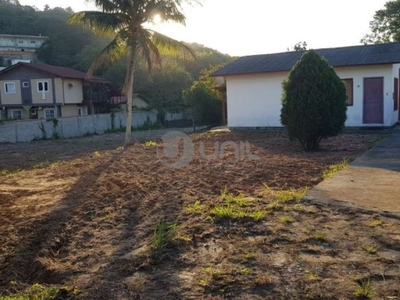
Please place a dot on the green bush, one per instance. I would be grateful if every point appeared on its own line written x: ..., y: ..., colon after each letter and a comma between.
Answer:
x: 314, y: 101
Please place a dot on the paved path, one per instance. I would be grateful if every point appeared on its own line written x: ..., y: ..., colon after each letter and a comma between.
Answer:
x: 371, y: 182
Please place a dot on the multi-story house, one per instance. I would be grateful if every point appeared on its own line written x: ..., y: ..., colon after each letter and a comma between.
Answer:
x: 31, y: 91
x: 20, y: 47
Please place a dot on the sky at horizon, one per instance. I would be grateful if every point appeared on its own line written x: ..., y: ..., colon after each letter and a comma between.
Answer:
x: 263, y: 26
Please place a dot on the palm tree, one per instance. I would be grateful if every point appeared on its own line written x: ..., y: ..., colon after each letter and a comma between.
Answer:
x: 126, y: 22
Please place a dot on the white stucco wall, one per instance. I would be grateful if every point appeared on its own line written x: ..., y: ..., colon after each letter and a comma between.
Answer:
x: 255, y: 100
x: 355, y: 112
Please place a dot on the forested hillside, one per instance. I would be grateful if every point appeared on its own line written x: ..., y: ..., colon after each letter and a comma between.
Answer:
x: 75, y: 47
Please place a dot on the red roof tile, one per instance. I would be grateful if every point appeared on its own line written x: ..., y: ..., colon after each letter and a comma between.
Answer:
x: 62, y: 72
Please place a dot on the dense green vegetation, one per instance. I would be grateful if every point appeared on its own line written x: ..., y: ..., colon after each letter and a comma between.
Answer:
x: 76, y: 47
x: 385, y: 27
x: 314, y: 101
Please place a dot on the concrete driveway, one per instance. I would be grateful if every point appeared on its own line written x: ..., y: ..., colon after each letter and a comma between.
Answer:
x: 371, y: 182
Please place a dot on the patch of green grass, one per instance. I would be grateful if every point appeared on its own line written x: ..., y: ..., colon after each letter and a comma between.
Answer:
x: 245, y: 271
x: 249, y: 255
x: 6, y: 172
x: 150, y: 144
x: 311, y: 275
x: 363, y: 289
x: 211, y: 271
x: 286, y: 220
x: 375, y: 223
x: 195, y: 208
x: 204, y: 282
x: 231, y: 199
x: 96, y: 154
x: 120, y: 148
x: 320, y: 236
x: 335, y: 168
x: 283, y: 196
x: 231, y: 212
x: 238, y: 200
x: 163, y: 234
x: 36, y: 292
x: 275, y: 206
x: 227, y: 212
x: 256, y: 215
x: 45, y: 164
x: 371, y: 249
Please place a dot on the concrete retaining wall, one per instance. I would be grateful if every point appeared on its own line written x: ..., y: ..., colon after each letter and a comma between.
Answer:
x: 26, y: 131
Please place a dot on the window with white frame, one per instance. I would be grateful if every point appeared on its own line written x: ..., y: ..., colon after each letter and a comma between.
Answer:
x: 49, y: 113
x: 9, y: 88
x: 80, y: 112
x: 16, y: 114
x: 43, y: 86
x: 25, y: 84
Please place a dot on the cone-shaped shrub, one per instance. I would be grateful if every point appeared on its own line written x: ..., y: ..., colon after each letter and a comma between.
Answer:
x: 313, y: 102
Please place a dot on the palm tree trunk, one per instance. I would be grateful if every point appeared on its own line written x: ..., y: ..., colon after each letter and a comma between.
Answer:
x: 129, y: 81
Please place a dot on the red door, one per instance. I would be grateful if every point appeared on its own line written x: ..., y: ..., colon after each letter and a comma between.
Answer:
x: 373, y: 100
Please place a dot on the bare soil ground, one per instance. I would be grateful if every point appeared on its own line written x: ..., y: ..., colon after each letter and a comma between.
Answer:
x: 112, y: 223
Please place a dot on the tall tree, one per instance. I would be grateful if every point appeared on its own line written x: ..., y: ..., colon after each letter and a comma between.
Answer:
x: 385, y: 27
x: 126, y: 21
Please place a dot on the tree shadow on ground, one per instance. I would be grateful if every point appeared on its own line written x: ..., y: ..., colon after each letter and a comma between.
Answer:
x: 43, y: 240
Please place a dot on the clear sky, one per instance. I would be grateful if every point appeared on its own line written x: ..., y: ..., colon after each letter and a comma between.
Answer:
x: 264, y: 26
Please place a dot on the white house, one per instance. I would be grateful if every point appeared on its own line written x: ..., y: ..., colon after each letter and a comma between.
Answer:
x: 20, y: 47
x: 369, y: 72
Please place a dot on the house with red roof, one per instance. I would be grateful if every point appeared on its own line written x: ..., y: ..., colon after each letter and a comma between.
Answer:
x: 33, y: 91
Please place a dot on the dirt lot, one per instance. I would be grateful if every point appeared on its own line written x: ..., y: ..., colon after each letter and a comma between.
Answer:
x: 88, y: 219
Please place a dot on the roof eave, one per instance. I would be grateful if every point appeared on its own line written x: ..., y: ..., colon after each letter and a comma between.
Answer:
x: 286, y: 70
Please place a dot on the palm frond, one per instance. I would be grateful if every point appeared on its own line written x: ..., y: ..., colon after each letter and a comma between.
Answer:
x: 111, y: 53
x: 99, y: 22
x: 168, y: 10
x: 171, y: 47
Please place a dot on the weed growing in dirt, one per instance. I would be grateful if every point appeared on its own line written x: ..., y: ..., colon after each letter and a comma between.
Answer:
x: 228, y: 212
x: 120, y: 148
x: 371, y: 249
x: 6, y: 172
x: 150, y: 144
x: 163, y: 234
x: 320, y: 236
x: 231, y: 199
x: 36, y: 292
x: 284, y: 196
x: 249, y: 256
x: 375, y: 223
x: 234, y: 208
x: 195, y: 208
x: 311, y: 275
x: 211, y: 271
x: 204, y: 282
x: 363, y: 289
x: 256, y: 215
x: 96, y: 154
x: 238, y: 200
x: 45, y: 164
x: 245, y: 271
x: 333, y: 169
